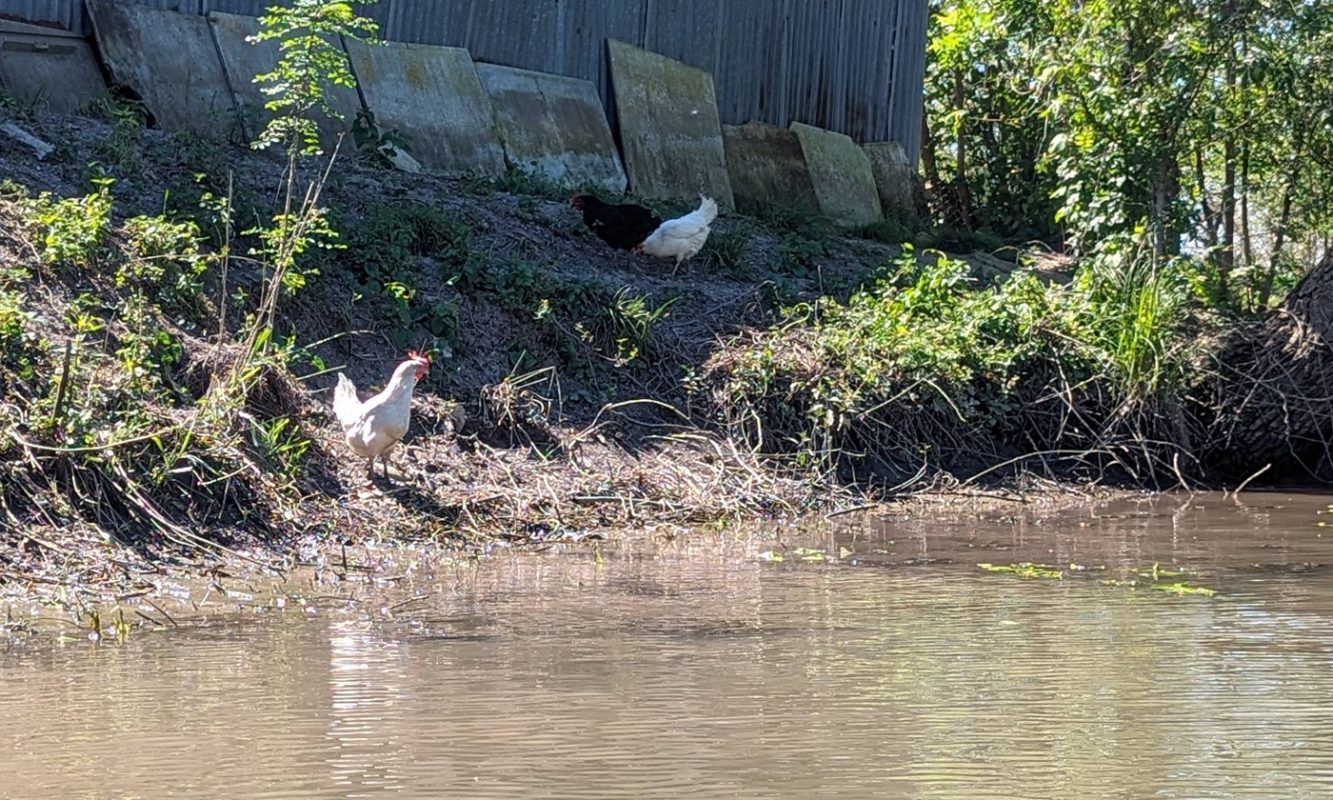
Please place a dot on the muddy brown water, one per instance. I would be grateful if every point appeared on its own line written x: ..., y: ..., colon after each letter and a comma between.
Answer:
x: 704, y: 668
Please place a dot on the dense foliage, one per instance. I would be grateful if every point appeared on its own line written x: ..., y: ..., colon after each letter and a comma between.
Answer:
x: 1207, y: 122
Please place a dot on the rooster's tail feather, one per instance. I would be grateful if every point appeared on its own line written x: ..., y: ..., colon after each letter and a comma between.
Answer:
x: 346, y: 406
x: 708, y: 208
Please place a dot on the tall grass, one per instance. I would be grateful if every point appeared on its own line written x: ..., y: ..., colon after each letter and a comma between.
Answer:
x: 1140, y: 304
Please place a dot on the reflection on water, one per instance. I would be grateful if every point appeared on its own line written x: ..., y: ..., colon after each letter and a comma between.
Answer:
x: 698, y: 670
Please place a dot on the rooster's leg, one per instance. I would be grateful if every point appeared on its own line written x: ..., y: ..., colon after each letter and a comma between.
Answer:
x: 370, y: 472
x: 676, y: 268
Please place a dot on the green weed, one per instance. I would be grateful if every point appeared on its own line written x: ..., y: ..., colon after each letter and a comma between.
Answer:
x: 280, y: 442
x: 17, y: 342
x: 23, y: 109
x: 374, y: 143
x: 389, y: 245
x: 394, y: 233
x: 629, y: 323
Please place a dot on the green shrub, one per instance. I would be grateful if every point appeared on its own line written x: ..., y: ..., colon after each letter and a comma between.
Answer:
x: 394, y: 234
x: 17, y: 342
x: 70, y: 232
x: 162, y: 257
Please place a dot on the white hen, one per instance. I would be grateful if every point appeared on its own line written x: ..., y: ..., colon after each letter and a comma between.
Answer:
x: 681, y: 238
x: 372, y: 428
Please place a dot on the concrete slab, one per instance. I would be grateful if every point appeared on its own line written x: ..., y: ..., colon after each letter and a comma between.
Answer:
x: 669, y: 127
x: 767, y: 167
x: 431, y: 95
x: 52, y: 69
x: 553, y: 126
x: 242, y: 61
x: 168, y: 59
x: 895, y: 179
x: 840, y: 171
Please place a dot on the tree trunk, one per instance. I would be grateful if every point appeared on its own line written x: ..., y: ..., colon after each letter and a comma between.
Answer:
x: 1226, y: 258
x: 1166, y: 239
x: 928, y: 152
x: 1210, y: 224
x: 960, y: 174
x: 1246, y: 244
x: 1279, y: 241
x: 1274, y: 393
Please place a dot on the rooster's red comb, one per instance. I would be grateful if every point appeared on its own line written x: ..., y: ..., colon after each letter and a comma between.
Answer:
x: 415, y: 356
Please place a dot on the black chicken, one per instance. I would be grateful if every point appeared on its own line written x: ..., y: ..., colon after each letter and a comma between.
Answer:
x: 622, y: 226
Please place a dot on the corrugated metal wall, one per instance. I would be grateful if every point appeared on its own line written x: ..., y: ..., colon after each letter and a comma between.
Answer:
x: 854, y: 66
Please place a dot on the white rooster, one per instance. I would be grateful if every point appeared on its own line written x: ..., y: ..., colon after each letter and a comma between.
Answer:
x: 372, y: 428
x: 681, y: 238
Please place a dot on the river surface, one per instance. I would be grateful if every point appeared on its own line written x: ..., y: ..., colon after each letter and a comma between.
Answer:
x: 704, y: 667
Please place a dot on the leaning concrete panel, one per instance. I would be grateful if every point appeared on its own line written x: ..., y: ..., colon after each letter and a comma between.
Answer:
x: 669, y: 126
x: 840, y: 171
x: 242, y: 61
x: 894, y: 178
x: 767, y: 167
x: 553, y: 126
x: 168, y: 59
x: 48, y: 68
x: 431, y: 95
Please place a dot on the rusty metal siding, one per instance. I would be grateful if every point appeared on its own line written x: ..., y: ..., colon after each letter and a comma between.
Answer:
x: 854, y: 66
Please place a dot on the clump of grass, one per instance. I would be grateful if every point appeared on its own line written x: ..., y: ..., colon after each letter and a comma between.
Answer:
x: 725, y: 250
x: 886, y: 231
x: 23, y: 109
x: 1139, y: 305
x: 530, y: 183
x: 396, y: 232
x: 959, y: 240
x: 803, y: 234
x: 627, y: 325
x: 792, y: 219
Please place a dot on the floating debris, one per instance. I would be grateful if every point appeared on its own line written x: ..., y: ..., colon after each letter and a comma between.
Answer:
x: 1026, y: 570
x: 1184, y: 589
x: 1158, y: 572
x: 1151, y: 577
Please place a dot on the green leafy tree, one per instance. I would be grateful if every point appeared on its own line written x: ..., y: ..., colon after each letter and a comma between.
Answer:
x: 311, y: 65
x: 1206, y: 123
